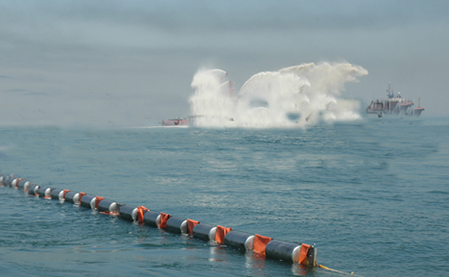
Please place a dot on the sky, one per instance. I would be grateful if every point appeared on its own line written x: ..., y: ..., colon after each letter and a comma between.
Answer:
x: 131, y: 63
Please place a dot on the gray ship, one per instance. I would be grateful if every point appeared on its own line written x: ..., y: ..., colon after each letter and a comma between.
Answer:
x: 395, y: 105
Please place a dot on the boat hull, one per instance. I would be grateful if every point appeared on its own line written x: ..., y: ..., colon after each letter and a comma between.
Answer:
x: 175, y: 122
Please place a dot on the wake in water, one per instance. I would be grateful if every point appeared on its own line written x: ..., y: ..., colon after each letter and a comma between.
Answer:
x: 294, y: 96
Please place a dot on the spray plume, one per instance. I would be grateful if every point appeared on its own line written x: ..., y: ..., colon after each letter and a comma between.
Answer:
x: 295, y: 96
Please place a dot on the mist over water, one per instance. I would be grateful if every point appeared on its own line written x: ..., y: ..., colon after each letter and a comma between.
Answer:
x: 295, y: 96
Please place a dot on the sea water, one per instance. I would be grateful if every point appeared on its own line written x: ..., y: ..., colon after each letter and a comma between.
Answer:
x: 371, y: 195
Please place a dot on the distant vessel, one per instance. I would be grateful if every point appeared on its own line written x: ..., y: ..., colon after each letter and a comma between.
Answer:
x: 395, y: 105
x: 175, y: 122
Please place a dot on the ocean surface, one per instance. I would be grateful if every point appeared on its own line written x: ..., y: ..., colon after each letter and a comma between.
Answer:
x: 372, y: 196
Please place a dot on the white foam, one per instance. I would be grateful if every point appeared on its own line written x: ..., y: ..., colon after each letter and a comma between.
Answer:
x: 296, y: 96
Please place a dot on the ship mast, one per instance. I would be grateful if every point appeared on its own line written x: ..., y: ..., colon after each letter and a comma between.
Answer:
x: 390, y: 93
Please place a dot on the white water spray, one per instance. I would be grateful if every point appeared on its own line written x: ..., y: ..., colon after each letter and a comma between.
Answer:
x: 295, y: 96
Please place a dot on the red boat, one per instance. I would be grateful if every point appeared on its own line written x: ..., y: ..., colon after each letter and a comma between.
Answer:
x: 175, y: 122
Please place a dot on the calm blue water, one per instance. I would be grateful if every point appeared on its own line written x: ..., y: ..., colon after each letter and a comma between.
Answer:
x: 372, y: 196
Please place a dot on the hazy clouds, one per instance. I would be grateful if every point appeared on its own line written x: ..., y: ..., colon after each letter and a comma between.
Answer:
x: 131, y: 63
